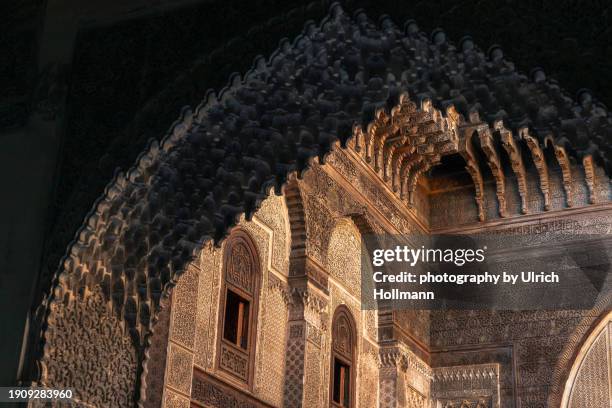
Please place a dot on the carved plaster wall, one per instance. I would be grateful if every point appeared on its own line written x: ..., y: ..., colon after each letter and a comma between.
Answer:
x: 337, y: 199
x: 83, y: 337
x: 470, y: 386
x: 349, y: 172
x: 344, y: 256
x: 181, y: 340
x: 405, y: 378
x: 535, y: 341
x: 194, y: 318
x: 344, y: 266
x: 523, y: 372
x: 590, y: 380
x: 344, y: 187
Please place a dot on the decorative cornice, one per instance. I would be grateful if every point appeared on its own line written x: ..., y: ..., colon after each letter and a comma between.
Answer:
x: 469, y: 373
x: 305, y: 297
x: 537, y: 154
x: 485, y: 136
x: 471, y: 385
x: 589, y: 176
x: 566, y: 170
x: 516, y: 161
x: 400, y: 357
x: 405, y: 143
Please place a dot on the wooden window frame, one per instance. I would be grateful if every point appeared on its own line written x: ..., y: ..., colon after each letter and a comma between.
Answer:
x: 239, y: 237
x: 240, y: 322
x: 348, y: 359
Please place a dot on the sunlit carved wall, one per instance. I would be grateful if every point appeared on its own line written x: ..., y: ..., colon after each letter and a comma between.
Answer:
x: 194, y: 317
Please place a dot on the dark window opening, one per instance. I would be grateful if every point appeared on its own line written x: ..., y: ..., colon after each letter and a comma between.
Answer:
x: 236, y: 325
x: 342, y: 383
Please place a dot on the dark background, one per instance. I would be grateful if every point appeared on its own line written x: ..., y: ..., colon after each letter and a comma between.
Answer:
x: 85, y: 84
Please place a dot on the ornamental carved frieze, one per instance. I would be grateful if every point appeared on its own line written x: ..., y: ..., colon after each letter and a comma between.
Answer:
x: 235, y: 361
x: 306, y: 304
x: 466, y: 403
x: 316, y: 274
x: 211, y: 392
x: 240, y: 265
x: 343, y: 336
x: 415, y: 399
x: 402, y: 358
x: 468, y: 386
x: 402, y: 145
x: 306, y: 298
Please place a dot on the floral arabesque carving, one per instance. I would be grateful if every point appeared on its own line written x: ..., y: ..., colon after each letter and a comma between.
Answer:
x: 87, y: 350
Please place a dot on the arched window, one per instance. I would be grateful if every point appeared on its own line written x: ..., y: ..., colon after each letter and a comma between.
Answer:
x: 343, y: 360
x: 238, y: 307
